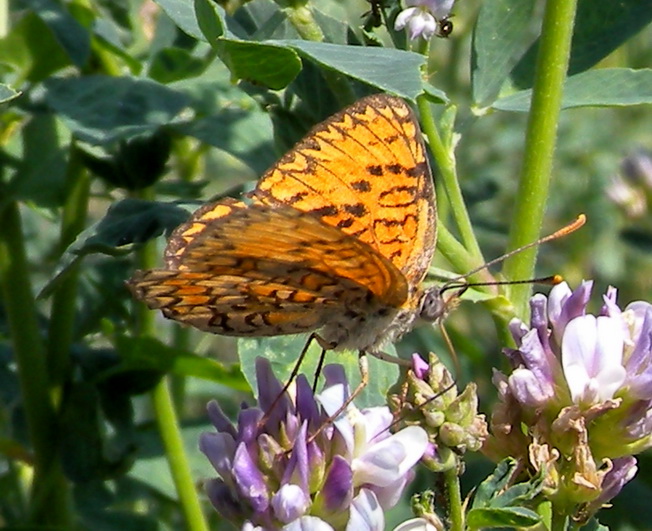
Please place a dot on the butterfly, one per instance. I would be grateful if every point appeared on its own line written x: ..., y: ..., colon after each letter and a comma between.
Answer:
x: 335, y: 239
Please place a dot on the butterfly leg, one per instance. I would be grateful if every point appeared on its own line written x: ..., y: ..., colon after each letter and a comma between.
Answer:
x: 295, y: 370
x: 364, y: 380
x: 389, y: 358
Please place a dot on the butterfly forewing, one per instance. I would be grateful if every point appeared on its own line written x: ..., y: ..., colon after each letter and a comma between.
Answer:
x: 365, y: 171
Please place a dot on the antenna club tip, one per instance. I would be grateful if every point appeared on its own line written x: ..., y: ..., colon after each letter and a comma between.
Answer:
x: 581, y: 219
x: 557, y: 279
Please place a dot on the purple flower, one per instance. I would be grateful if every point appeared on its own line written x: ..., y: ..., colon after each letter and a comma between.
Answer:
x: 422, y: 18
x: 581, y: 385
x: 590, y: 359
x: 280, y: 470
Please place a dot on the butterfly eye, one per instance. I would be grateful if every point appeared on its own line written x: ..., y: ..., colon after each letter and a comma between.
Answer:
x: 432, y: 306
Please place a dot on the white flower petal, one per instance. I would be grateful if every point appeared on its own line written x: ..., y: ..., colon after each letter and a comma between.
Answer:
x: 366, y: 513
x: 416, y: 524
x: 308, y: 523
x: 386, y: 462
x: 403, y: 18
x: 610, y: 339
x: 290, y: 502
x: 556, y: 300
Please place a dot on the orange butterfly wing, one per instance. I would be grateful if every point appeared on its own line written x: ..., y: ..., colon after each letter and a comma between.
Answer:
x: 344, y: 224
x: 262, y: 270
x: 365, y: 171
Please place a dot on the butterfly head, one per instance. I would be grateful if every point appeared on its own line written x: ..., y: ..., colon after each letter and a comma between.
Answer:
x: 438, y: 301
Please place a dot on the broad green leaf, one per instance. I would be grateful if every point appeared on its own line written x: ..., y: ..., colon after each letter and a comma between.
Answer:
x: 103, y: 109
x: 74, y: 38
x: 174, y: 64
x: 601, y: 88
x: 146, y: 353
x: 31, y: 50
x: 268, y: 64
x: 509, y: 517
x: 209, y: 17
x: 499, y: 39
x: 261, y: 20
x: 335, y: 31
x: 390, y: 70
x: 182, y: 12
x: 600, y: 28
x: 243, y: 132
x: 7, y: 93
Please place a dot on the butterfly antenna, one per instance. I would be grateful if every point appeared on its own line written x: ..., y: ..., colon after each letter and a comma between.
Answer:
x: 555, y: 279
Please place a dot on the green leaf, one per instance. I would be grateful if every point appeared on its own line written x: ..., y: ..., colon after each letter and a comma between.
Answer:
x: 182, y: 12
x: 390, y: 70
x: 261, y: 20
x: 103, y: 109
x: 600, y: 28
x: 41, y: 175
x: 268, y: 64
x: 72, y: 36
x: 7, y: 93
x: 146, y: 353
x: 209, y: 17
x: 175, y: 64
x: 495, y: 483
x: 335, y: 31
x: 509, y: 517
x: 31, y: 50
x: 498, y: 42
x: 604, y: 87
x: 127, y: 221
x: 243, y: 132
x: 283, y: 352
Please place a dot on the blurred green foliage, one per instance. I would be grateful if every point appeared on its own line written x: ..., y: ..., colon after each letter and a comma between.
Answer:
x: 107, y: 105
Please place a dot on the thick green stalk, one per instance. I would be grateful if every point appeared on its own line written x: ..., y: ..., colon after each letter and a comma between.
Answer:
x: 50, y: 496
x: 300, y: 16
x: 552, y: 64
x: 446, y: 165
x: 170, y: 431
x: 166, y: 417
x: 455, y: 513
x: 62, y: 313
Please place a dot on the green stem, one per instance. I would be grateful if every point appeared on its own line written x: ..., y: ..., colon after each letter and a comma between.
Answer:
x: 62, y: 314
x: 166, y: 416
x: 447, y: 171
x: 455, y: 512
x: 552, y: 64
x: 49, y: 504
x: 168, y: 425
x: 559, y: 520
x: 300, y: 16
